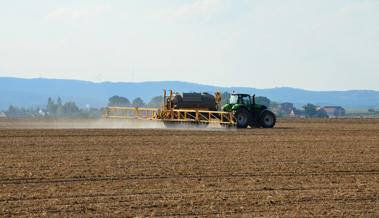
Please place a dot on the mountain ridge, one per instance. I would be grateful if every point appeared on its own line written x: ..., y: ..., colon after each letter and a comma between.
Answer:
x: 33, y: 92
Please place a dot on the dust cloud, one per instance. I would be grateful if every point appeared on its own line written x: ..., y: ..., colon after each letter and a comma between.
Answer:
x: 70, y: 123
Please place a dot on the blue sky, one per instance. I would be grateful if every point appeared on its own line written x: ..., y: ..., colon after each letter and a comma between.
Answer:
x: 317, y: 45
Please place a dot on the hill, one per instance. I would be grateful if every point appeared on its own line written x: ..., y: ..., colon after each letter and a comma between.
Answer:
x: 34, y: 92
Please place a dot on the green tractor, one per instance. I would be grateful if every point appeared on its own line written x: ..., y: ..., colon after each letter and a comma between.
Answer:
x: 248, y: 113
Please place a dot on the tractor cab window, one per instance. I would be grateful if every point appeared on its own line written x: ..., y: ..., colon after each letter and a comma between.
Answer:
x: 233, y: 99
x: 245, y: 100
x: 239, y: 99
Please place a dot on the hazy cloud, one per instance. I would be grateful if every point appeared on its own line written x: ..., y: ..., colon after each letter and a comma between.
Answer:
x: 76, y: 14
x: 199, y: 7
x: 321, y: 44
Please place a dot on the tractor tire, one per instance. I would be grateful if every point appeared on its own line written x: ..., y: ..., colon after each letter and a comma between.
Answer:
x: 243, y: 118
x: 267, y: 119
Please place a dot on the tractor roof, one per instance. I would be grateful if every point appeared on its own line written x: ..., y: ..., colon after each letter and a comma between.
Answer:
x: 243, y: 94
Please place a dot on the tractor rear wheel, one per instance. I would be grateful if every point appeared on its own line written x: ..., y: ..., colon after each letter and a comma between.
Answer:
x: 267, y: 119
x: 243, y: 118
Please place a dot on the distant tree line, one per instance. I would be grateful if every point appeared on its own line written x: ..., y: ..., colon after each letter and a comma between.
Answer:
x: 54, y: 109
x: 58, y: 108
x: 309, y: 110
x: 116, y: 100
x: 14, y: 111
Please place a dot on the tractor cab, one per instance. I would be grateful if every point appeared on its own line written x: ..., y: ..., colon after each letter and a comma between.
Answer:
x: 244, y: 99
x: 248, y: 113
x: 238, y: 100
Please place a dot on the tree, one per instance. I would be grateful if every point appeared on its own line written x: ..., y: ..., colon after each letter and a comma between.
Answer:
x: 51, y: 106
x: 70, y: 108
x: 155, y: 102
x: 59, y: 102
x: 263, y: 101
x: 138, y: 102
x: 60, y: 111
x: 321, y: 114
x: 118, y: 101
x: 310, y: 110
x: 13, y: 109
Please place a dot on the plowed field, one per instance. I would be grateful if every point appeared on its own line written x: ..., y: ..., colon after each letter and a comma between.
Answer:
x: 300, y: 168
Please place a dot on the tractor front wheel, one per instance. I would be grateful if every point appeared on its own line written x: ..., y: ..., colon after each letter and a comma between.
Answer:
x: 243, y: 118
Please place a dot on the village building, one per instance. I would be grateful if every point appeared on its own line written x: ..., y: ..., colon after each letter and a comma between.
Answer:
x: 286, y: 108
x: 334, y: 111
x: 3, y: 115
x: 292, y: 114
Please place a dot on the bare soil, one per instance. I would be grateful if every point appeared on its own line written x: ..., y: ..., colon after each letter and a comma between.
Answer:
x: 315, y: 168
